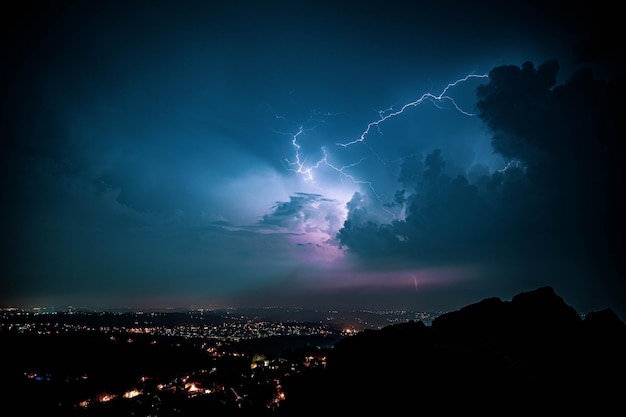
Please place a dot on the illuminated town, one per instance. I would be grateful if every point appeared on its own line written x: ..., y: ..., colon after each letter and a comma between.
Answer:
x: 230, y: 368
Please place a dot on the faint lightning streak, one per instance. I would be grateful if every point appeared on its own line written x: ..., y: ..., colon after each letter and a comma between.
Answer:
x: 342, y: 173
x: 514, y: 163
x: 388, y: 114
x: 415, y: 281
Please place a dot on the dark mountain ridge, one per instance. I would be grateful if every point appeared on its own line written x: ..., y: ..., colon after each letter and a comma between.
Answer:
x: 531, y: 354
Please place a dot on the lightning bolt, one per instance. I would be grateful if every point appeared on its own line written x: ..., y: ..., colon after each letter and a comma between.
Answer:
x: 435, y: 99
x: 300, y: 165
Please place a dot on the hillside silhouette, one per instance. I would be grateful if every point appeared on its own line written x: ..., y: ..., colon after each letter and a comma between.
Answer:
x: 533, y: 354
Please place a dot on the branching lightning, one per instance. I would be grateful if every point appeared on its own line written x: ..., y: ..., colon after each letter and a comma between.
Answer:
x: 300, y: 165
x: 435, y: 99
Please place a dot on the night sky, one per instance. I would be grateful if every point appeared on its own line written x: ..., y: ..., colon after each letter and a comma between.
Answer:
x: 420, y: 155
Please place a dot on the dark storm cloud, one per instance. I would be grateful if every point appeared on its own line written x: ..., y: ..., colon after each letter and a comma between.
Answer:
x: 559, y: 199
x: 444, y: 215
x: 567, y: 139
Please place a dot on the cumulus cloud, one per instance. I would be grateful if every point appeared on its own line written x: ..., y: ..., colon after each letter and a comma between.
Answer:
x: 307, y: 224
x: 307, y: 214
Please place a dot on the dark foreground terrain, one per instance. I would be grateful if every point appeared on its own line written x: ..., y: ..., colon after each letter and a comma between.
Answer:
x: 533, y: 354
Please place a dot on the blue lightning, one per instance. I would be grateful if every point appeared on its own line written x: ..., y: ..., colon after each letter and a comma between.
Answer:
x: 300, y: 165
